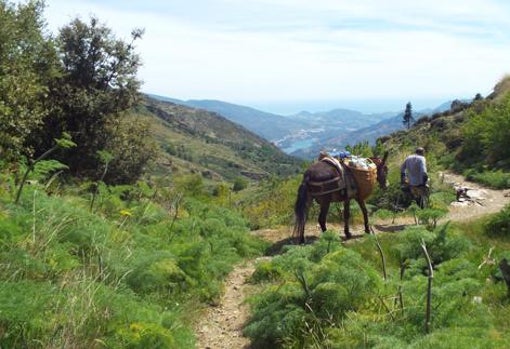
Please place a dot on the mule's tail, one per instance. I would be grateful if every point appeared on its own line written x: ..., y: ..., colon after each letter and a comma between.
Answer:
x: 300, y: 211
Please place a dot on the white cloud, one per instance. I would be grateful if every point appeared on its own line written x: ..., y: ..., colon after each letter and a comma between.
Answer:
x: 282, y: 50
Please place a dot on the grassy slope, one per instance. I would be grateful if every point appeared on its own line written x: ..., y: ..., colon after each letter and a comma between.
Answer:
x: 441, y: 133
x: 197, y: 141
x: 74, y: 277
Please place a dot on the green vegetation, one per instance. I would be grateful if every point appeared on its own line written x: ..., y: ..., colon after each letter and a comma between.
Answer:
x: 470, y: 138
x: 81, y: 83
x: 121, y: 215
x: 374, y: 293
x: 131, y: 274
x: 327, y: 295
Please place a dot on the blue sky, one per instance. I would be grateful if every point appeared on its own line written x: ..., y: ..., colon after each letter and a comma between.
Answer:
x: 287, y: 55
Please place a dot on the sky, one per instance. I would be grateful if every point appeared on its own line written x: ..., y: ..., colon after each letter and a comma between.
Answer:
x: 284, y: 56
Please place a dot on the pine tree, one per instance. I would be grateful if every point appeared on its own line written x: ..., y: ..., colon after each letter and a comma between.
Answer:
x: 408, y: 115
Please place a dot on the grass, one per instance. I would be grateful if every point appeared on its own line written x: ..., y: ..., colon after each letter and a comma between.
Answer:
x: 196, y: 141
x: 130, y: 273
x: 492, y: 179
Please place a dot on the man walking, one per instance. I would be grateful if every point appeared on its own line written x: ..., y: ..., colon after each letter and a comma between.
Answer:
x: 413, y: 173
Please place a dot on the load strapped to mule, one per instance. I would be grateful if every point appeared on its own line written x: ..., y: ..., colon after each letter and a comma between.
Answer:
x: 364, y: 171
x: 362, y: 181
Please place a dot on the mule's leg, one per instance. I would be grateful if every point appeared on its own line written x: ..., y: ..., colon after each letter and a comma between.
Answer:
x: 363, y: 207
x: 323, y: 215
x: 347, y: 216
x: 308, y: 204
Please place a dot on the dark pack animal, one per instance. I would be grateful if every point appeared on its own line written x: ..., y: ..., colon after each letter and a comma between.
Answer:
x: 327, y: 182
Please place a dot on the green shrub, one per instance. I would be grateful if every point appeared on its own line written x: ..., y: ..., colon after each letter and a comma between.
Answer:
x: 310, y: 295
x: 499, y: 223
x: 485, y: 135
x: 24, y: 306
x: 430, y: 216
x: 265, y: 271
x: 157, y: 271
x: 443, y: 244
x: 495, y: 179
x: 240, y: 183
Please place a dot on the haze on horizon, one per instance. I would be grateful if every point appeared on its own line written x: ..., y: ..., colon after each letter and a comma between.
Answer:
x: 284, y: 56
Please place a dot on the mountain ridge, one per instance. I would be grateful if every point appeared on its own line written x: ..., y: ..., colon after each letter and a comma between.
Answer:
x: 199, y: 141
x: 305, y: 133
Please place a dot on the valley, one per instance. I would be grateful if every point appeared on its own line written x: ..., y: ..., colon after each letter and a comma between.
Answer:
x: 306, y: 133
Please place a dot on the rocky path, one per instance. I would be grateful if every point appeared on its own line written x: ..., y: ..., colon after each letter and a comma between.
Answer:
x: 221, y: 326
x: 480, y: 201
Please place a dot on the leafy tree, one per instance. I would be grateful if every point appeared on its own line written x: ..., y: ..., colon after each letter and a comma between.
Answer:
x: 133, y: 148
x: 408, y: 115
x: 487, y: 136
x: 98, y: 84
x: 27, y: 63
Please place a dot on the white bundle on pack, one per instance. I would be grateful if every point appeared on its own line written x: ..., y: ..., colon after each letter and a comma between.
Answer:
x: 357, y: 162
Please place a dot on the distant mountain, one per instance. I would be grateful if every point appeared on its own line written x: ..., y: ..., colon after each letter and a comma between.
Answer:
x: 274, y: 127
x: 340, y: 118
x: 198, y: 141
x: 305, y: 133
x: 267, y: 125
x: 338, y: 139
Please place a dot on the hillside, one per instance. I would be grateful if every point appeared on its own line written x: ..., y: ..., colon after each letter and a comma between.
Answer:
x: 197, y: 141
x: 344, y: 127
x: 121, y: 219
x: 267, y: 125
x: 136, y: 267
x: 439, y: 133
x: 466, y: 245
x: 232, y: 313
x: 306, y: 133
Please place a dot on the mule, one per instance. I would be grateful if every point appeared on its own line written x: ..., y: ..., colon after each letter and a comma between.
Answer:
x: 321, y: 173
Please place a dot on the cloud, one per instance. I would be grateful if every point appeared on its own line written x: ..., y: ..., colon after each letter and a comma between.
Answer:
x: 282, y: 50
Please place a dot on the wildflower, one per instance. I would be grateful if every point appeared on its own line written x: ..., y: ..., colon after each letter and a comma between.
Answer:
x: 125, y: 213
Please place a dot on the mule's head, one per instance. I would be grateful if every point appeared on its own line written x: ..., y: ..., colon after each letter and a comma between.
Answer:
x: 382, y: 170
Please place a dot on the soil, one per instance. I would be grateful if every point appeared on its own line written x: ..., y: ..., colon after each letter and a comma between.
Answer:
x: 221, y: 325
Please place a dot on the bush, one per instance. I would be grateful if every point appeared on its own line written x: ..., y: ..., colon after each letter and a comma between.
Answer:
x: 494, y: 179
x: 240, y: 183
x: 129, y: 274
x: 499, y: 224
x: 486, y: 137
x: 311, y: 294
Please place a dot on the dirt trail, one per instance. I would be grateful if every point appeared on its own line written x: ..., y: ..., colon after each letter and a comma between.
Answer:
x: 221, y: 326
x: 482, y: 201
